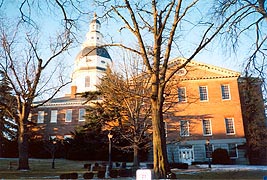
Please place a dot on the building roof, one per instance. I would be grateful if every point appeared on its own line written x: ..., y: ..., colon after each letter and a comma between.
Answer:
x: 64, y: 101
x: 92, y: 50
x: 197, y: 70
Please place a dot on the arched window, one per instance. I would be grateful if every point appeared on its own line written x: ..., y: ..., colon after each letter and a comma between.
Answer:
x: 87, y: 81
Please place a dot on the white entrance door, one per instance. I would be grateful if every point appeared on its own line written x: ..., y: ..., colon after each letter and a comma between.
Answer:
x: 186, y: 155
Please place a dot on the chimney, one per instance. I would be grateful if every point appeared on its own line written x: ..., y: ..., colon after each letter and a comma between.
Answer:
x: 73, y: 91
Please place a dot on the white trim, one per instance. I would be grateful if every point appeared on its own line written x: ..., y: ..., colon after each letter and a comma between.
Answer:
x: 53, y: 116
x: 66, y: 114
x: 185, y: 94
x: 228, y: 85
x: 81, y: 119
x: 187, y: 125
x: 210, y: 125
x: 207, y: 94
x: 40, y: 118
x: 233, y: 121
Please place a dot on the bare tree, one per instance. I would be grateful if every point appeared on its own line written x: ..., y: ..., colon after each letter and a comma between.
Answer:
x: 249, y: 24
x: 127, y: 93
x: 29, y: 53
x: 157, y: 26
x: 30, y: 74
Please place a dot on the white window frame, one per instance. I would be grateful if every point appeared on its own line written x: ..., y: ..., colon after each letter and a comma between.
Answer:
x: 204, y: 127
x: 68, y: 136
x: 81, y: 117
x: 228, y: 92
x: 200, y: 93
x: 40, y: 118
x: 182, y: 98
x: 52, y: 137
x: 226, y: 125
x: 187, y: 128
x: 68, y: 115
x: 53, y: 118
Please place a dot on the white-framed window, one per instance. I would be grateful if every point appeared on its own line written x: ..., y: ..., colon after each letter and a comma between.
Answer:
x: 230, y: 126
x: 52, y: 138
x: 203, y: 93
x: 225, y: 89
x: 81, y: 114
x: 68, y: 115
x: 68, y: 136
x: 53, y: 116
x: 232, y: 150
x: 181, y: 94
x: 87, y: 81
x: 184, y: 128
x: 206, y: 124
x: 40, y: 118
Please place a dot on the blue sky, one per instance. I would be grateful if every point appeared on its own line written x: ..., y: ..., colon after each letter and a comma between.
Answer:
x: 213, y: 54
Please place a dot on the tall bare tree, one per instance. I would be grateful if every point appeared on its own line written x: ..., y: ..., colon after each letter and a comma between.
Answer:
x: 30, y: 48
x: 158, y: 26
x: 31, y: 74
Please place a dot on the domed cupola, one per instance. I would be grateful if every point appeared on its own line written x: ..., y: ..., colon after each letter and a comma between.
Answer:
x: 92, y: 61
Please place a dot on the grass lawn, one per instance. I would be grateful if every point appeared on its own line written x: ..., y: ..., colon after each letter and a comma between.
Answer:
x: 41, y: 169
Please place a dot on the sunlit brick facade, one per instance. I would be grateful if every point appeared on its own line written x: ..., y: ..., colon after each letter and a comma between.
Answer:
x: 206, y: 107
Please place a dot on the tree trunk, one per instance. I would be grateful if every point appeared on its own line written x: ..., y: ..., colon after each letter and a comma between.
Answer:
x: 135, y: 159
x: 161, y: 167
x: 23, y: 147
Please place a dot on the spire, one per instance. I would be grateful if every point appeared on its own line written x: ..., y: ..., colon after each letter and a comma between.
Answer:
x: 94, y: 36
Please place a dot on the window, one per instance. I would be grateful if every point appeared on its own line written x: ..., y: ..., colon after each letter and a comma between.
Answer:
x: 87, y: 81
x: 53, y: 116
x: 203, y: 93
x: 81, y: 114
x: 232, y: 151
x: 68, y: 136
x: 206, y: 123
x: 68, y: 115
x: 229, y: 124
x: 184, y: 128
x: 225, y: 91
x: 52, y: 138
x: 40, y: 117
x: 181, y: 94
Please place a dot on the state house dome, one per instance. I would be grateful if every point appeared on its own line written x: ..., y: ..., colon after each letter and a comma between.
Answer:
x: 92, y: 51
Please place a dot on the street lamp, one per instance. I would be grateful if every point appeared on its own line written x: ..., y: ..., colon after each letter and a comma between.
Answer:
x: 109, y: 152
x: 53, y: 151
x: 208, y: 151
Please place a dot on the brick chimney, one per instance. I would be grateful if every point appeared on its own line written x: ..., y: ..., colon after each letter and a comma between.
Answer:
x: 73, y: 91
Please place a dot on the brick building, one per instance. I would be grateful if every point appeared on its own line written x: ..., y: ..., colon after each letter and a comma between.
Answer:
x: 206, y: 105
x: 208, y: 108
